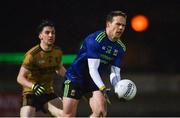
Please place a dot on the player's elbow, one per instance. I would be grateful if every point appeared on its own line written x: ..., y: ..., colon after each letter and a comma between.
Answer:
x: 18, y: 79
x: 91, y: 72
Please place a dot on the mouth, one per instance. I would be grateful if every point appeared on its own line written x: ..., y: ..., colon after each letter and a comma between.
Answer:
x: 119, y: 33
x: 51, y: 40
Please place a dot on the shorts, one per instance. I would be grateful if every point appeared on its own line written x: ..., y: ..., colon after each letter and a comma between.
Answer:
x: 37, y: 101
x: 76, y: 90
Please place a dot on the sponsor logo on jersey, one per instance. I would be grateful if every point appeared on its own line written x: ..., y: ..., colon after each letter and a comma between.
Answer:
x: 41, y: 61
x: 108, y: 49
x: 103, y: 48
x: 115, y: 52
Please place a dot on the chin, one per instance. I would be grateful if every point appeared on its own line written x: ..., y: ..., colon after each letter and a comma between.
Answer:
x: 50, y: 44
x: 117, y: 37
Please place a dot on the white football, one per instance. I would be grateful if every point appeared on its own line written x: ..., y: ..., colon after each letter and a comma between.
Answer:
x: 125, y: 89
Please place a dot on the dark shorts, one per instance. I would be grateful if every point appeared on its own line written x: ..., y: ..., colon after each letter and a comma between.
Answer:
x: 37, y: 101
x: 77, y: 90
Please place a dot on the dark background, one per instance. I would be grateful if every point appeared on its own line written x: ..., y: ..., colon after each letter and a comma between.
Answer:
x: 152, y: 58
x: 156, y: 48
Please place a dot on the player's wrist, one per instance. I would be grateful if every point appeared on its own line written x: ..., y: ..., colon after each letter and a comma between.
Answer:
x: 105, y: 91
x: 38, y: 89
x: 32, y: 86
x: 102, y: 88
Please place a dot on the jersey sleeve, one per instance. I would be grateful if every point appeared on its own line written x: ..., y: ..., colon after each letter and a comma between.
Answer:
x: 92, y: 47
x: 57, y: 55
x: 60, y: 53
x: 28, y: 61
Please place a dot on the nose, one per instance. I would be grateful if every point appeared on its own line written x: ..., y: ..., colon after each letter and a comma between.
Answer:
x: 50, y: 34
x: 121, y: 27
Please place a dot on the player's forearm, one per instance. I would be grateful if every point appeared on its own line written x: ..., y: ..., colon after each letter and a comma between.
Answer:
x: 93, y: 65
x: 61, y: 72
x: 22, y: 78
x: 24, y: 82
x: 97, y: 79
x: 115, y: 76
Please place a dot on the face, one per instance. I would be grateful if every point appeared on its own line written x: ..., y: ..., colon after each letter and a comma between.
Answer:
x: 47, y: 36
x: 116, y: 27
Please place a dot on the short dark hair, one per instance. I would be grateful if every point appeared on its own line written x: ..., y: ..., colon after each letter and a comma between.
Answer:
x: 115, y: 13
x: 43, y: 24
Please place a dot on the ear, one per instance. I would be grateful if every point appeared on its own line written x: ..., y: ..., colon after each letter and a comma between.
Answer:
x: 107, y: 24
x: 40, y: 36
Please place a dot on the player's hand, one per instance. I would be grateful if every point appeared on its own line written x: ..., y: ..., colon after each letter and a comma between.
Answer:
x: 105, y: 93
x: 38, y: 89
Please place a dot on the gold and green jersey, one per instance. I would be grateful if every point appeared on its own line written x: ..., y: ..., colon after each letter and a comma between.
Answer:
x: 42, y: 66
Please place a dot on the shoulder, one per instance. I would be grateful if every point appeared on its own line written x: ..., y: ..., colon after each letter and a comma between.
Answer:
x: 96, y: 36
x: 57, y: 49
x: 33, y: 51
x: 121, y: 44
x: 100, y: 36
x: 29, y: 55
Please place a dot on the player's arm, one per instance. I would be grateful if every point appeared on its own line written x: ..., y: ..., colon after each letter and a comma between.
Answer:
x: 25, y: 71
x: 61, y: 71
x: 23, y: 74
x: 93, y: 58
x: 93, y: 65
x: 22, y: 78
x: 115, y: 76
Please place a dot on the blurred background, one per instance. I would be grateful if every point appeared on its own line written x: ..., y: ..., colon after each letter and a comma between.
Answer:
x: 151, y: 61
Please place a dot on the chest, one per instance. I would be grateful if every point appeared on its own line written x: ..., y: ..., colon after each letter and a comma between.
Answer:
x: 46, y: 60
x: 108, y: 52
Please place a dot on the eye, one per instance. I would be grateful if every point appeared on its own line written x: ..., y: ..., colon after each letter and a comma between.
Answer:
x: 53, y: 32
x: 47, y: 32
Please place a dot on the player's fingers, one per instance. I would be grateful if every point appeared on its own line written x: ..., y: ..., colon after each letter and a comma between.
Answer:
x: 107, y: 99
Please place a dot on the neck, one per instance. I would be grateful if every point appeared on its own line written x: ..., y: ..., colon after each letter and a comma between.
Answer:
x: 110, y: 36
x: 46, y: 47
